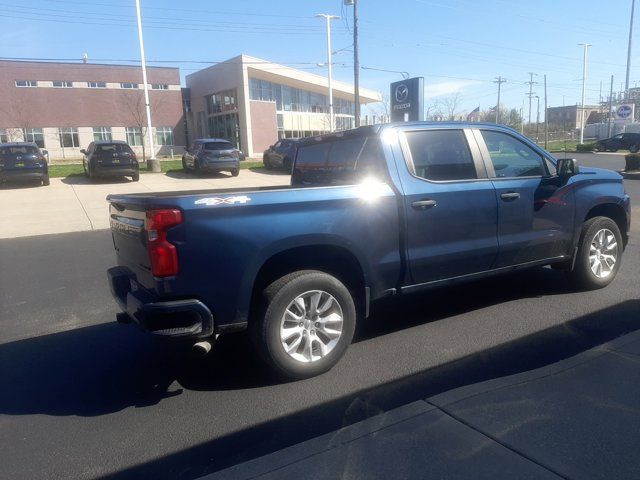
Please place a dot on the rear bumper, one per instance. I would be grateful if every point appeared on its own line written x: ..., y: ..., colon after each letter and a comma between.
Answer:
x: 219, y: 165
x: 115, y: 170
x: 188, y: 318
x: 23, y: 174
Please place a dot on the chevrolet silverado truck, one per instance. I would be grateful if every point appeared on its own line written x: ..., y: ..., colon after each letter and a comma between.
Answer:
x: 373, y: 212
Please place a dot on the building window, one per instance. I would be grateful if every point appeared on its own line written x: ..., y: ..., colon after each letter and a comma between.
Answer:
x: 222, y: 102
x: 102, y: 133
x: 164, y: 136
x: 96, y: 85
x: 69, y: 137
x: 129, y: 85
x: 62, y: 84
x: 225, y: 126
x: 134, y: 136
x: 33, y: 135
x: 159, y: 86
x: 26, y: 83
x: 4, y: 136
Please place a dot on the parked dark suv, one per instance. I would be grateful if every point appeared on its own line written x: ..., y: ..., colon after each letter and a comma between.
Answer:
x: 23, y: 161
x: 622, y: 141
x: 110, y: 159
x: 212, y: 155
x: 280, y: 154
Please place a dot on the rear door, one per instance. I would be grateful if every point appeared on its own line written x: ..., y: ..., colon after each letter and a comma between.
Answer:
x: 535, y: 211
x: 450, y: 205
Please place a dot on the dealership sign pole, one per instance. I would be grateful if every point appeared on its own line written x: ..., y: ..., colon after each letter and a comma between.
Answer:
x: 152, y: 163
x: 328, y: 19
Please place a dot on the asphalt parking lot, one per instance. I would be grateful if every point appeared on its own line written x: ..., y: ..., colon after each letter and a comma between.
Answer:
x: 84, y: 397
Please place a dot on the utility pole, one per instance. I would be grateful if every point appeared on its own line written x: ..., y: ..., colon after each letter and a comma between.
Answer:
x: 584, y: 81
x: 152, y: 163
x: 499, y: 81
x: 626, y: 87
x: 610, y: 105
x: 546, y: 124
x: 328, y: 19
x: 538, y: 118
x: 356, y: 64
x: 531, y: 83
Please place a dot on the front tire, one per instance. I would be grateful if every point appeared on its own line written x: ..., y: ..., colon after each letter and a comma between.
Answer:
x: 135, y: 177
x: 599, y: 254
x: 235, y: 172
x: 45, y: 181
x: 306, y: 324
x: 634, y: 148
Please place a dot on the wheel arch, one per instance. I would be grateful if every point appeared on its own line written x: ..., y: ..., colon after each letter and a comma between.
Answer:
x: 613, y: 211
x: 335, y: 260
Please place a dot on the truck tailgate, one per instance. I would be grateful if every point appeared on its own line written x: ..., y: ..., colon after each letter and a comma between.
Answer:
x: 130, y: 240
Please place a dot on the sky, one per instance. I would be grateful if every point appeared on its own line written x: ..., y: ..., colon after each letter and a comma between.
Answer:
x: 458, y: 46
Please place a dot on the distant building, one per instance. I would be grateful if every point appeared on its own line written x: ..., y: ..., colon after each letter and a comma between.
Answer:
x: 65, y: 106
x: 568, y: 117
x: 253, y: 103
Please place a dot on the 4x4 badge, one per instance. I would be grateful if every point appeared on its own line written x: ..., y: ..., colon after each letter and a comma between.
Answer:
x: 225, y: 200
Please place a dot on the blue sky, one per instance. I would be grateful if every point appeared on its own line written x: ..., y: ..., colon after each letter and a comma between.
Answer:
x: 457, y: 45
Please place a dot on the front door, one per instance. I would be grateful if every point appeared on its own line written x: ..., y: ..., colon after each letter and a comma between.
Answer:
x: 535, y: 211
x: 450, y: 205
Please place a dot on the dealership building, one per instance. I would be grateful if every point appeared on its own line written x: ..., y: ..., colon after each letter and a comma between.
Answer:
x: 253, y: 103
x: 65, y: 106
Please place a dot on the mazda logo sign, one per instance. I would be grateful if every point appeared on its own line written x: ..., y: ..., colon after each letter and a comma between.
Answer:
x: 402, y: 93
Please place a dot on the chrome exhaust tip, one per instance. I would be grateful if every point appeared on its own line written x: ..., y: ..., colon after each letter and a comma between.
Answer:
x: 201, y: 348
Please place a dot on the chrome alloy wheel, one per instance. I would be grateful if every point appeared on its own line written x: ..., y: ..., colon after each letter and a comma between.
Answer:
x: 311, y: 326
x: 603, y: 253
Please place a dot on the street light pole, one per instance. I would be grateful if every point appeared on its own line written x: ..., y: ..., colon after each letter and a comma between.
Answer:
x: 328, y: 19
x: 584, y: 81
x: 356, y: 64
x: 152, y: 163
x: 626, y: 85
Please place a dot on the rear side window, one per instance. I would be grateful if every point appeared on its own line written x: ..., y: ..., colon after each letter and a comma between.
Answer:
x: 511, y: 157
x: 441, y: 155
x: 339, y: 162
x: 218, y: 146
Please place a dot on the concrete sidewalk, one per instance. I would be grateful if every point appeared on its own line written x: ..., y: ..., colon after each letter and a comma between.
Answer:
x: 578, y: 419
x: 75, y: 204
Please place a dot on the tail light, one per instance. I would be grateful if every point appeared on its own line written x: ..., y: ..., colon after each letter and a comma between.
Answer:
x: 163, y: 254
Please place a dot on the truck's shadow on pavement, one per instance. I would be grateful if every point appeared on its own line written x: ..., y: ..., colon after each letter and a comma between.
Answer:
x: 105, y: 368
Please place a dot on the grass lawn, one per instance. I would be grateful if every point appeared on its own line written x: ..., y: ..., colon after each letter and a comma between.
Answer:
x: 57, y: 171
x: 561, y: 145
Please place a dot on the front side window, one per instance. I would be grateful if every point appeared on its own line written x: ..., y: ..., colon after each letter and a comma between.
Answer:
x: 134, y: 136
x: 34, y: 135
x: 96, y: 84
x: 102, y: 133
x: 441, y: 155
x: 511, y: 157
x: 128, y: 85
x: 69, y: 137
x: 26, y: 83
x: 164, y: 136
x: 62, y: 84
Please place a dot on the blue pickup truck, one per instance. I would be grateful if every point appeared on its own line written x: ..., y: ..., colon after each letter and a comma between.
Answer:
x: 373, y: 212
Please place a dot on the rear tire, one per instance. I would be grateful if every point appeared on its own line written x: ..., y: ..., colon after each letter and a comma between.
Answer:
x: 184, y: 165
x: 45, y: 181
x: 634, y: 148
x: 310, y: 312
x: 235, y: 172
x: 135, y: 177
x: 599, y: 254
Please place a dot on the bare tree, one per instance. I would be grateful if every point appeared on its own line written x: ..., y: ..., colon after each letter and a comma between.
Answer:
x: 450, y: 105
x: 14, y: 114
x: 135, y: 113
x: 382, y: 108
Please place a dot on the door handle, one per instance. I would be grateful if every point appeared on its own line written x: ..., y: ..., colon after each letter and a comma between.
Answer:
x: 424, y: 204
x: 510, y: 196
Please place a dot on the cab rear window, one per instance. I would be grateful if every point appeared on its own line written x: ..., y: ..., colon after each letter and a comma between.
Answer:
x: 338, y: 162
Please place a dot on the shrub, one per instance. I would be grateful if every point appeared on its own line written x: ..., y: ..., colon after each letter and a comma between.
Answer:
x: 586, y: 147
x: 632, y: 162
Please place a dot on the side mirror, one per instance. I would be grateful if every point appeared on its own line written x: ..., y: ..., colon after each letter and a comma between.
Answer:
x: 83, y: 151
x: 567, y: 167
